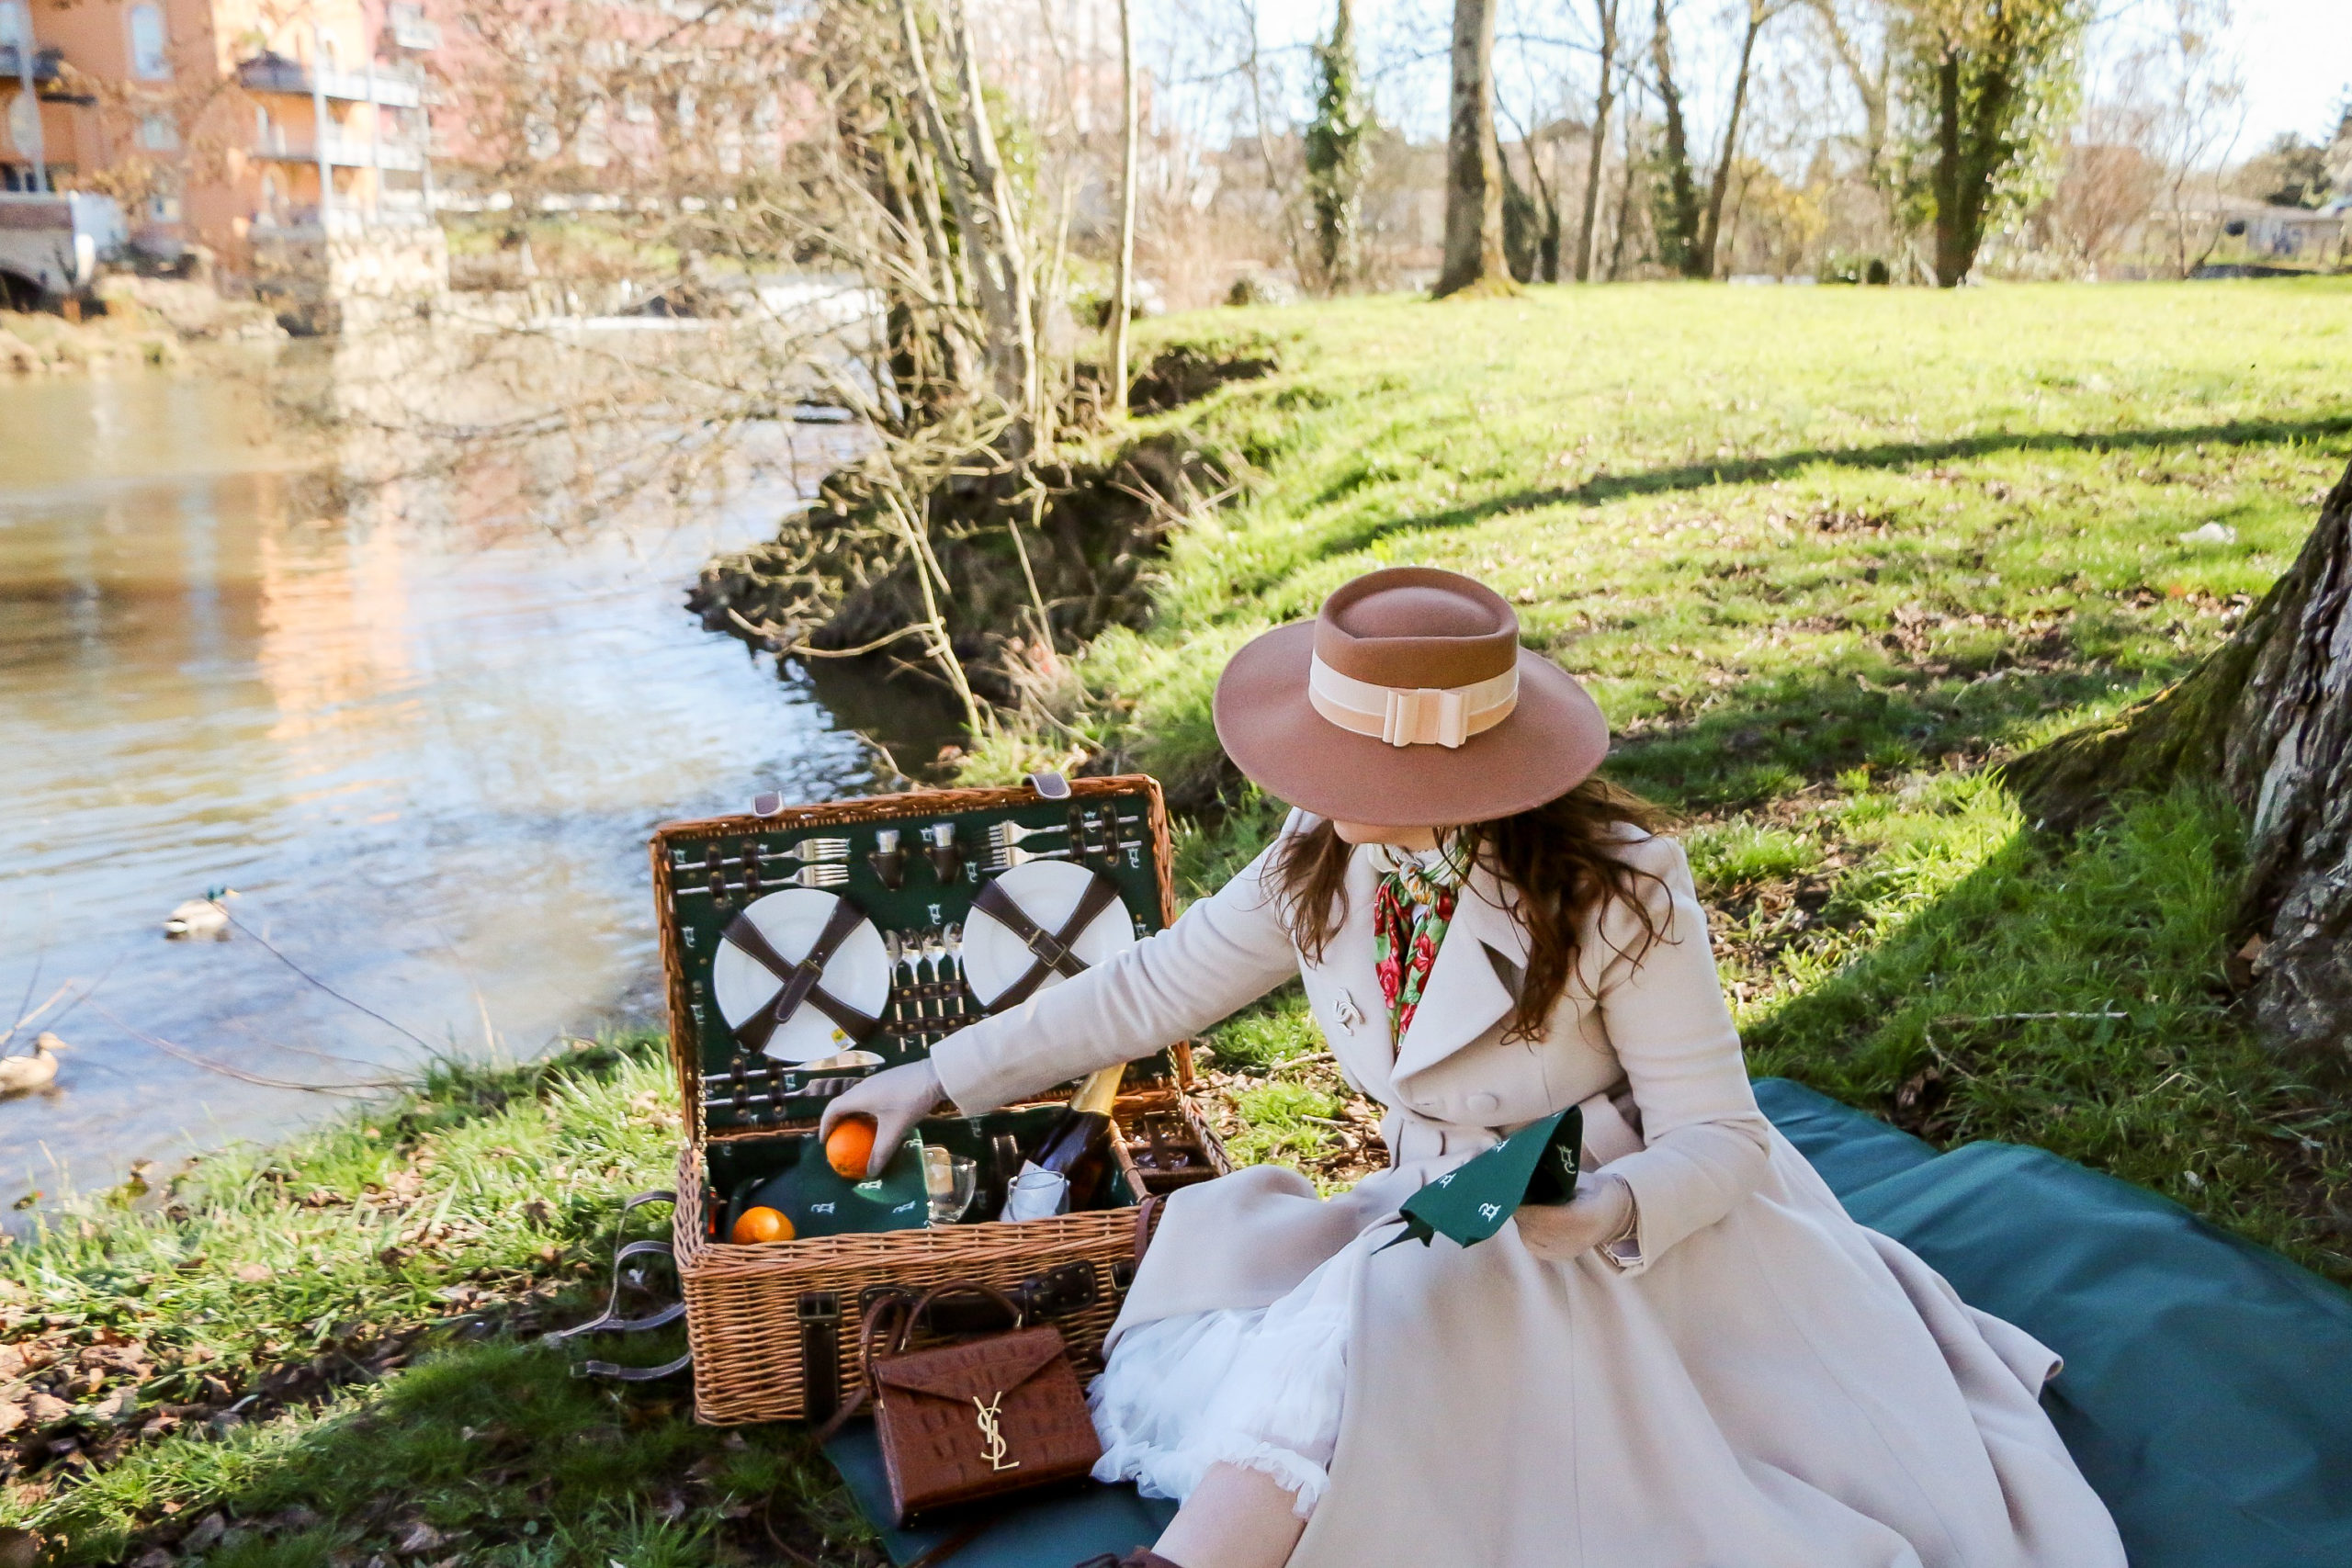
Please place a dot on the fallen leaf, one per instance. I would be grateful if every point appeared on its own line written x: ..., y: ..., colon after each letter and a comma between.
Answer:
x: 419, y: 1537
x: 47, y: 1409
x: 11, y: 1416
x: 254, y: 1273
x: 119, y: 1406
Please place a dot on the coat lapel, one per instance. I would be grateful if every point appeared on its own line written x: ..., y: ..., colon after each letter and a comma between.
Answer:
x: 1464, y: 995
x: 1348, y: 964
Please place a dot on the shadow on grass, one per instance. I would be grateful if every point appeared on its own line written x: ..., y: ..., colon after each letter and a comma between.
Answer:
x: 1780, y: 732
x: 2073, y: 994
x: 486, y: 1452
x: 1603, y: 489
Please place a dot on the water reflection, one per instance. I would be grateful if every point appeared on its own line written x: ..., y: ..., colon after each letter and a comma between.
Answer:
x: 426, y: 749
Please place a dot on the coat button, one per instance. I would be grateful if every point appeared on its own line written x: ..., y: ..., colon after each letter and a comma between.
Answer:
x: 1483, y: 1105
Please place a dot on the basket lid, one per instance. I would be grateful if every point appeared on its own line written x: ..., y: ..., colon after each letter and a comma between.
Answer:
x: 806, y: 947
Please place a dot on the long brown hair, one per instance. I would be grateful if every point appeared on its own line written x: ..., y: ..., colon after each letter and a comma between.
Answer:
x: 1559, y: 856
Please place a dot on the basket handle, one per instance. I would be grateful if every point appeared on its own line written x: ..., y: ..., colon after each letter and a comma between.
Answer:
x: 611, y: 1321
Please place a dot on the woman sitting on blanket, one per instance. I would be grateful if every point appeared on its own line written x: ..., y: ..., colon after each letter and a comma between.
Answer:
x: 1699, y: 1362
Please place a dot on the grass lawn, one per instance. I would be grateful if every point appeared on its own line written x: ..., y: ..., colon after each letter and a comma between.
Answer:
x: 1825, y: 556
x: 326, y: 1356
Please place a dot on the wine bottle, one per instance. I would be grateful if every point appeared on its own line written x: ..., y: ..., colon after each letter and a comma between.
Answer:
x: 1078, y: 1147
x: 1004, y: 1163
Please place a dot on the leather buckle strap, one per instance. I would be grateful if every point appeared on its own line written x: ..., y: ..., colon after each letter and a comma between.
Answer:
x: 799, y: 981
x: 1051, y: 950
x: 820, y: 1313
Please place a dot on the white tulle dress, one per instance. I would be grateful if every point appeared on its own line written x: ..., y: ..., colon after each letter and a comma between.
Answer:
x: 1260, y: 1389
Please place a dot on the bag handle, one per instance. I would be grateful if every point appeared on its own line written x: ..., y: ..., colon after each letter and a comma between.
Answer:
x: 1147, y: 1222
x: 914, y: 1313
x: 893, y: 1320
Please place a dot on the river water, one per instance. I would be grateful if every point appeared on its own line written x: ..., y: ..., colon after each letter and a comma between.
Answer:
x: 424, y: 746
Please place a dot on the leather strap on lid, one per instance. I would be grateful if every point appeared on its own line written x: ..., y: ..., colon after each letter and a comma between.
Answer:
x: 1050, y: 949
x: 1401, y: 716
x: 799, y: 980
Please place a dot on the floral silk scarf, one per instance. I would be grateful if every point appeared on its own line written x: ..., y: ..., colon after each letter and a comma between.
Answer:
x: 1410, y: 911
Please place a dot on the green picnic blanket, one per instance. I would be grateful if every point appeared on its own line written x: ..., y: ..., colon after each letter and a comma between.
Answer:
x: 2207, y: 1390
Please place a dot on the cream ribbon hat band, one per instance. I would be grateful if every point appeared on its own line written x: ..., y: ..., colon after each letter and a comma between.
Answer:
x: 1412, y: 715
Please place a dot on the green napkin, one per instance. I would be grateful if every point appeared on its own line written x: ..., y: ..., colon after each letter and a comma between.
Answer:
x: 819, y: 1200
x: 1536, y: 1164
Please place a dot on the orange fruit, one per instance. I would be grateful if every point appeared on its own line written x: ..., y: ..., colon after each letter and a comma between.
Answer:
x: 757, y: 1225
x: 849, y: 1147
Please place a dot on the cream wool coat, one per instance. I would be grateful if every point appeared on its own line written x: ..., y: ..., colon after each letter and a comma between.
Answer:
x: 1770, y: 1385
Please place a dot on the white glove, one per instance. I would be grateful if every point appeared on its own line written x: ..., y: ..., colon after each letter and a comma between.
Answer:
x: 1603, y: 1210
x: 897, y: 1098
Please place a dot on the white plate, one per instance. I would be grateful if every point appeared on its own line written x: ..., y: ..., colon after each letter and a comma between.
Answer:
x: 1047, y: 891
x: 858, y: 973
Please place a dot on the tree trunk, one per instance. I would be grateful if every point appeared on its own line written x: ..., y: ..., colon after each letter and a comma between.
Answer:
x: 1677, y: 239
x: 1122, y: 275
x: 1954, y: 253
x: 2268, y: 716
x: 1624, y: 198
x: 1474, y: 185
x: 1757, y: 15
x: 1605, y: 13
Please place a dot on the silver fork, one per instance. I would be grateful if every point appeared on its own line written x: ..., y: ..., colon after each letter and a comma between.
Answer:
x: 808, y: 850
x: 817, y: 875
x: 1008, y: 833
x: 1010, y: 855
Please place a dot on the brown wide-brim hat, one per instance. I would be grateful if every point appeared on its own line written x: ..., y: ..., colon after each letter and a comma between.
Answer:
x: 1407, y: 702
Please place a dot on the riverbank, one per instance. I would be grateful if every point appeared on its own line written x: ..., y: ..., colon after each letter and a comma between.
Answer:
x: 138, y: 321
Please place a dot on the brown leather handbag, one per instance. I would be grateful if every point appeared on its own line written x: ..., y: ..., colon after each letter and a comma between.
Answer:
x: 979, y: 1418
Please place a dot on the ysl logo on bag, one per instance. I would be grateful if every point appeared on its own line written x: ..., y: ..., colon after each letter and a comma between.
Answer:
x: 992, y: 1447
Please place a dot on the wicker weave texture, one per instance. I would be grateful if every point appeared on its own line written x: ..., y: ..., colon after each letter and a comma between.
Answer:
x: 743, y: 1303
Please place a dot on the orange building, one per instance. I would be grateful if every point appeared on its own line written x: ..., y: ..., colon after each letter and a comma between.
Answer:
x: 221, y: 122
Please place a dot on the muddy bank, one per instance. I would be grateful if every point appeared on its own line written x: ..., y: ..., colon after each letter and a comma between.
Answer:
x: 838, y: 577
x: 135, y: 322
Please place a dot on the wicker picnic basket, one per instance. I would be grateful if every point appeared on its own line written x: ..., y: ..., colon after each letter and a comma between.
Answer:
x: 772, y: 1328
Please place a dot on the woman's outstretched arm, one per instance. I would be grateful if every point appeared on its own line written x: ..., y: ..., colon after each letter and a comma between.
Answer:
x: 1224, y: 953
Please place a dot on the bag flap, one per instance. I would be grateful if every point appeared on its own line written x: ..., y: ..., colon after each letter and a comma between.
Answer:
x: 981, y: 1369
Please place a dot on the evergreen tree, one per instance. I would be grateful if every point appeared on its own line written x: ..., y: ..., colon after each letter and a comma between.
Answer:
x: 1336, y: 152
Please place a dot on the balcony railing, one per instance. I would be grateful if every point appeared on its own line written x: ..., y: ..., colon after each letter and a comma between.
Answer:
x: 275, y: 73
x: 46, y: 64
x: 344, y: 151
x: 343, y: 220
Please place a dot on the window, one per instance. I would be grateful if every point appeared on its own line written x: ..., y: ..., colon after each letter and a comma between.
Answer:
x: 150, y: 50
x: 158, y: 134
